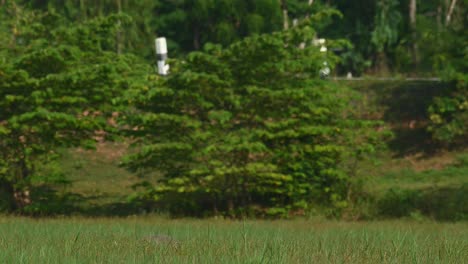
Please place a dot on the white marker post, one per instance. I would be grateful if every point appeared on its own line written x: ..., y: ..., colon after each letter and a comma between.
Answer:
x: 161, y: 54
x: 325, y: 71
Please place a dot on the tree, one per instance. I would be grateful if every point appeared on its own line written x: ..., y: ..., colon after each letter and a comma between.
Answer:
x: 56, y: 90
x: 448, y: 18
x: 449, y: 113
x: 133, y: 36
x: 356, y: 25
x: 413, y: 27
x: 190, y: 24
x: 385, y: 31
x: 284, y: 10
x: 244, y: 130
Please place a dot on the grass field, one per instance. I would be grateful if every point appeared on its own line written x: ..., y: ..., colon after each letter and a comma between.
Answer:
x: 126, y: 240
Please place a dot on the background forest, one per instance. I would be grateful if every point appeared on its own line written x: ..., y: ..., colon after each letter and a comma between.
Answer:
x: 243, y: 125
x: 388, y: 36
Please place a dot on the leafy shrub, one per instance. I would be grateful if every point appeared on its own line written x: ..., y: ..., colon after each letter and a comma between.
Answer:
x: 47, y: 201
x: 449, y: 113
x: 399, y: 202
x: 462, y: 161
x: 447, y: 203
x: 55, y: 90
x: 246, y: 130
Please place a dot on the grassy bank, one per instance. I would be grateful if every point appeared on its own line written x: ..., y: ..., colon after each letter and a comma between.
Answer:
x: 220, y: 241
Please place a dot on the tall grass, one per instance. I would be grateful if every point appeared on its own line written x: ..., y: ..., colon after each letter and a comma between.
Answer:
x: 221, y: 241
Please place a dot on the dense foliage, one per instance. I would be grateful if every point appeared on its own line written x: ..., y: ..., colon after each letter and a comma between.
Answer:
x: 389, y: 36
x: 245, y: 130
x: 449, y: 113
x: 243, y: 125
x: 56, y: 90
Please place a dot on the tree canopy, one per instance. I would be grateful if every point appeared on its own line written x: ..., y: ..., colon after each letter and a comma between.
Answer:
x: 244, y: 130
x: 56, y: 83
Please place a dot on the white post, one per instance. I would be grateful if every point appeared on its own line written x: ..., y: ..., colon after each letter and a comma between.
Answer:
x: 325, y: 70
x: 161, y: 54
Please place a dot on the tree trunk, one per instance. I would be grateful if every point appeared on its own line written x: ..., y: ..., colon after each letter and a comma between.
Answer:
x: 6, y: 196
x: 215, y: 205
x: 13, y: 199
x: 22, y: 198
x: 83, y: 10
x: 381, y: 63
x: 230, y: 206
x: 448, y: 18
x: 303, y: 44
x: 284, y: 9
x: 196, y: 37
x: 439, y: 17
x: 119, y: 30
x: 245, y: 194
x: 14, y: 27
x: 414, y: 43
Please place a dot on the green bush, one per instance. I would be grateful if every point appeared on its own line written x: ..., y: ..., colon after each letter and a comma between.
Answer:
x: 399, y: 202
x: 247, y: 130
x: 448, y: 203
x: 55, y: 90
x: 449, y: 113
